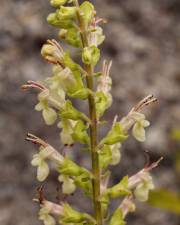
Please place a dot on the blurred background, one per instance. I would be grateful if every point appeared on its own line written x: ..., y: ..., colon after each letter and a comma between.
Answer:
x: 143, y: 40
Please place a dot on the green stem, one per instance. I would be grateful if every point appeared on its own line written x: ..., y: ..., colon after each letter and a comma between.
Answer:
x: 93, y: 127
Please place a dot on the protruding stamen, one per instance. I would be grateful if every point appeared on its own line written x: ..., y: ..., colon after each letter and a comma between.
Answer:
x: 40, y: 191
x: 153, y: 165
x: 147, y: 158
x: 33, y: 84
x: 144, y: 102
x: 35, y: 140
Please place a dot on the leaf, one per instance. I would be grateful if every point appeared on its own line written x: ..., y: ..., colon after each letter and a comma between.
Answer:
x: 165, y: 199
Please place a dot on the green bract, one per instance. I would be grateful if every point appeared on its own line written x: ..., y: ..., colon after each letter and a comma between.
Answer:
x: 72, y: 169
x: 119, y: 189
x: 69, y: 112
x: 115, y: 135
x: 80, y: 134
x: 117, y: 218
x: 73, y: 216
x: 105, y: 156
x: 71, y: 37
x: 103, y: 102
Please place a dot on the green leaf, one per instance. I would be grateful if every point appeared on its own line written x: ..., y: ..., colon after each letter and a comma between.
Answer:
x: 115, y: 135
x: 120, y: 189
x: 165, y: 199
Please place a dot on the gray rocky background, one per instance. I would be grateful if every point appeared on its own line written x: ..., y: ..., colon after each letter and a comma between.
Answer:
x: 143, y: 40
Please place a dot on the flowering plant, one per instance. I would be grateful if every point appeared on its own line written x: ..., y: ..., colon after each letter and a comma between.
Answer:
x: 80, y: 27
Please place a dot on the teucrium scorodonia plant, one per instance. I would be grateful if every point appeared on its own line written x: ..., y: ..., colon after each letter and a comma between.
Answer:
x: 79, y: 27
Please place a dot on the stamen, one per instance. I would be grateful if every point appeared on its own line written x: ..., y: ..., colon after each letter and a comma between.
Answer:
x: 33, y: 84
x: 35, y: 140
x: 115, y: 119
x: 147, y: 158
x: 144, y: 102
x: 153, y: 165
x: 40, y: 191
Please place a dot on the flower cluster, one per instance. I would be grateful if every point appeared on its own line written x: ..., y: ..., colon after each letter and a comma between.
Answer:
x: 79, y: 27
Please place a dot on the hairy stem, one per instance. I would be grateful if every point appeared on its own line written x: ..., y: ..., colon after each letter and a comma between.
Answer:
x: 93, y: 127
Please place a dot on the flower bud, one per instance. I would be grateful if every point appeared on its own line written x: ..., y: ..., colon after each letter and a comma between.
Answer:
x: 87, y: 12
x: 66, y: 13
x: 51, y: 53
x: 90, y: 55
x: 54, y: 20
x: 57, y: 3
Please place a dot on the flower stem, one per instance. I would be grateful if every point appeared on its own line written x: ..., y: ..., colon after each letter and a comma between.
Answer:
x: 93, y: 127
